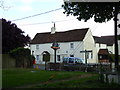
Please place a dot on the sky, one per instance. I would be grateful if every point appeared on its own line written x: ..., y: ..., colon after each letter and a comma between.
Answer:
x: 17, y: 9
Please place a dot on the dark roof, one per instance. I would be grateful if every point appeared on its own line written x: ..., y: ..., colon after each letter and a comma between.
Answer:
x: 66, y: 36
x: 103, y: 51
x: 109, y: 40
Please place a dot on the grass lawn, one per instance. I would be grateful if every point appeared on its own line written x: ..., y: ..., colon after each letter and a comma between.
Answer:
x: 44, y: 79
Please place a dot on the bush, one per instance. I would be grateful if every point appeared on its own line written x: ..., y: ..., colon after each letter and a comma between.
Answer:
x: 22, y: 56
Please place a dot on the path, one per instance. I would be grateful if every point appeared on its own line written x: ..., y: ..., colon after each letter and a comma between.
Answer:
x: 54, y: 81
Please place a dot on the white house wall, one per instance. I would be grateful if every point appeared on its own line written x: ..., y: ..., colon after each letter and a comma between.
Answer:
x: 64, y: 51
x: 103, y: 46
x: 89, y: 44
x: 111, y: 49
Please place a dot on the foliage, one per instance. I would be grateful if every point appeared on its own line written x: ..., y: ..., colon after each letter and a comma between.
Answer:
x: 112, y: 57
x: 12, y: 36
x: 23, y: 57
x: 102, y: 11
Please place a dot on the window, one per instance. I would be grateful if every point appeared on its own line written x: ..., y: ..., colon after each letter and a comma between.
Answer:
x: 65, y: 60
x: 37, y: 57
x: 71, y: 60
x: 99, y: 44
x: 91, y: 55
x: 71, y: 45
x: 32, y: 52
x: 58, y: 57
x: 37, y: 46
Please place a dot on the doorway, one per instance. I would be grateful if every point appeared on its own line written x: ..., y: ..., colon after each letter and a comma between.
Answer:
x: 46, y: 56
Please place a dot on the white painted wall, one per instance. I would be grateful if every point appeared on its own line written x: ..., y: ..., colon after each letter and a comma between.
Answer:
x: 89, y: 44
x: 110, y: 49
x: 64, y: 51
x: 103, y: 46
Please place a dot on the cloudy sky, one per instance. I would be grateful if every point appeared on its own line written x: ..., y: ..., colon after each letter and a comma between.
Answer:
x: 17, y: 9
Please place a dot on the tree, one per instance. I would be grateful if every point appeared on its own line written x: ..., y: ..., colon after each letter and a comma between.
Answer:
x: 102, y: 12
x: 12, y: 36
x: 3, y: 6
x: 23, y: 57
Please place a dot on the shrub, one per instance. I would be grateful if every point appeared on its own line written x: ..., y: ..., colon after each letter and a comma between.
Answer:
x: 22, y: 56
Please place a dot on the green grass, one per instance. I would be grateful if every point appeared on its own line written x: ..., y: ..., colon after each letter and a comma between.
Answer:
x: 89, y: 82
x: 51, y: 79
x: 20, y: 77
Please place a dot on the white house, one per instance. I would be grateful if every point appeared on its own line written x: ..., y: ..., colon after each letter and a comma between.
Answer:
x: 71, y: 43
x: 105, y: 45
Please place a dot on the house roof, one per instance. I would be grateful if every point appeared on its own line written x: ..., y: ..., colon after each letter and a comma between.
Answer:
x: 109, y: 40
x: 103, y: 51
x: 66, y: 36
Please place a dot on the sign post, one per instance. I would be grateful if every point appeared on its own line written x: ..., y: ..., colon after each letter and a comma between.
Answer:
x: 55, y: 46
x: 86, y: 57
x: 86, y: 52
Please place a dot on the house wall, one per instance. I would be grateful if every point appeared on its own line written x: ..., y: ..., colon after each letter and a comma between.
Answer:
x: 89, y: 44
x: 111, y: 49
x: 64, y: 51
x: 103, y: 46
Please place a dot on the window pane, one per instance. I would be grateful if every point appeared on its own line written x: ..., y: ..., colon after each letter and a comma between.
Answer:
x: 71, y: 45
x: 71, y: 60
x: 37, y: 57
x: 58, y: 57
x: 37, y: 46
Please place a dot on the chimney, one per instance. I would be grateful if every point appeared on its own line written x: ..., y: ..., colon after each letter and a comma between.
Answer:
x: 53, y: 29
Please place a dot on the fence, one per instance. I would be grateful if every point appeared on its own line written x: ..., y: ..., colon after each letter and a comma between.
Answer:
x: 79, y: 67
x: 8, y: 62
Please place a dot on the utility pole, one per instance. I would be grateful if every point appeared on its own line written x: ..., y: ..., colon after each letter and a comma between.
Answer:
x: 116, y: 38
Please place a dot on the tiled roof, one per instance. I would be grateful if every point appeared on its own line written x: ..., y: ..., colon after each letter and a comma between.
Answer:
x: 103, y: 51
x: 66, y: 36
x: 109, y: 40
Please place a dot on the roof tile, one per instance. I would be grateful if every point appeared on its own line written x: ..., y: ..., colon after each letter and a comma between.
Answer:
x: 66, y: 36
